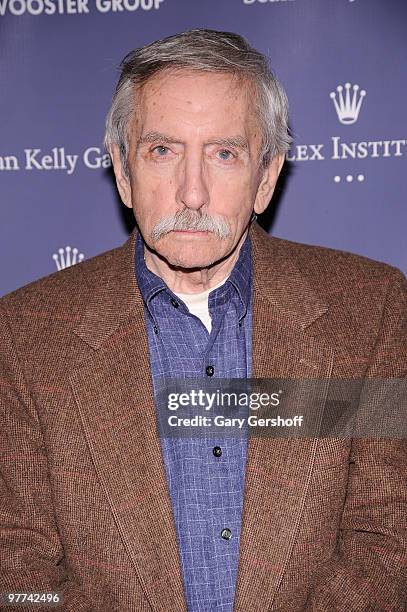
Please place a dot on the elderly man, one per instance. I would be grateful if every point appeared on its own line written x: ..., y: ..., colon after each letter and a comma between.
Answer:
x: 95, y: 508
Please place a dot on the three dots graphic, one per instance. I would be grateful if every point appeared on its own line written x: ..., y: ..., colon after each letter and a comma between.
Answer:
x: 349, y: 178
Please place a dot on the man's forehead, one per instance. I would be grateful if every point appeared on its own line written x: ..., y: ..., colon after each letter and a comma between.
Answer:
x: 160, y: 98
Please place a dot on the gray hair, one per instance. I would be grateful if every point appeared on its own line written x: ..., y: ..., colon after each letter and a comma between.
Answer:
x: 208, y: 51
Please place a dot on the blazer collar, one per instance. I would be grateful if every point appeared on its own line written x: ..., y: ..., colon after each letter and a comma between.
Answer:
x: 277, y: 278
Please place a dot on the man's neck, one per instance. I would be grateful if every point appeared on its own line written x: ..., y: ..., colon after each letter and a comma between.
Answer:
x: 181, y: 280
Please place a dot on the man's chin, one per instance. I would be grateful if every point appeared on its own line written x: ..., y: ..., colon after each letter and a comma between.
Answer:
x: 190, y: 261
x: 193, y: 250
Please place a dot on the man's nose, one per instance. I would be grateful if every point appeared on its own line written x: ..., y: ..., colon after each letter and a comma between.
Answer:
x: 193, y: 191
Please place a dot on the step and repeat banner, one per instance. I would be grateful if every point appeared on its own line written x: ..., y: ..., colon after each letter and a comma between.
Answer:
x: 342, y: 62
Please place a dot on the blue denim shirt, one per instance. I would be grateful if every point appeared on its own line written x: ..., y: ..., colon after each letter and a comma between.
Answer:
x: 206, y: 490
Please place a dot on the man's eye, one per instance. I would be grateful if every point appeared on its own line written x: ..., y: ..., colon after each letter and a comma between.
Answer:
x: 225, y: 154
x: 161, y: 151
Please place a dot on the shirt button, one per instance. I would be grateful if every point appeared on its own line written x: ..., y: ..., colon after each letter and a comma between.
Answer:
x: 210, y: 370
x: 174, y: 303
x: 217, y: 451
x: 155, y: 328
x: 226, y: 534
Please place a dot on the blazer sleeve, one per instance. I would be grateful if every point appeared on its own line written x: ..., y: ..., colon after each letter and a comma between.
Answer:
x: 369, y: 569
x: 32, y: 557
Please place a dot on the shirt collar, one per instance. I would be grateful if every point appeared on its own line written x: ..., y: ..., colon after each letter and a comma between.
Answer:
x: 149, y: 283
x: 240, y: 278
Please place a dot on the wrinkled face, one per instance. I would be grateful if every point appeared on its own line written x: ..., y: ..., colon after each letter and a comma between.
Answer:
x: 194, y: 172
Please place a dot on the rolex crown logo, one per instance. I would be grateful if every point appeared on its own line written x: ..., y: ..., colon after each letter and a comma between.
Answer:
x: 67, y: 257
x: 348, y: 101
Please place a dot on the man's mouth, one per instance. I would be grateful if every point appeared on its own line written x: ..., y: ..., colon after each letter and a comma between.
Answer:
x: 191, y: 231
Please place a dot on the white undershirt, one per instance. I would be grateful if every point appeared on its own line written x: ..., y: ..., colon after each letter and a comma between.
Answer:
x: 197, y: 304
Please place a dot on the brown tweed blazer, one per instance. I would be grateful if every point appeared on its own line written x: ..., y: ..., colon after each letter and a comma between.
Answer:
x: 84, y: 505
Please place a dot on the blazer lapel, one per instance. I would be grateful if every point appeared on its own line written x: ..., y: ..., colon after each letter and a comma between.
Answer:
x: 114, y: 395
x: 278, y: 470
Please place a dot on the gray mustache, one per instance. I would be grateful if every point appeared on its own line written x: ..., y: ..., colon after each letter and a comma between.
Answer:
x: 191, y: 220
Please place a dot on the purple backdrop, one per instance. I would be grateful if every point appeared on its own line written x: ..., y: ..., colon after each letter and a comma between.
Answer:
x: 344, y: 183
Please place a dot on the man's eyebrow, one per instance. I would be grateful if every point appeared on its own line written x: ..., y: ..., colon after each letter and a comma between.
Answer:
x: 157, y: 137
x: 235, y: 142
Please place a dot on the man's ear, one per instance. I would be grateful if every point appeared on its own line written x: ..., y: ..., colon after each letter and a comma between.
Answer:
x: 122, y: 182
x: 268, y: 183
